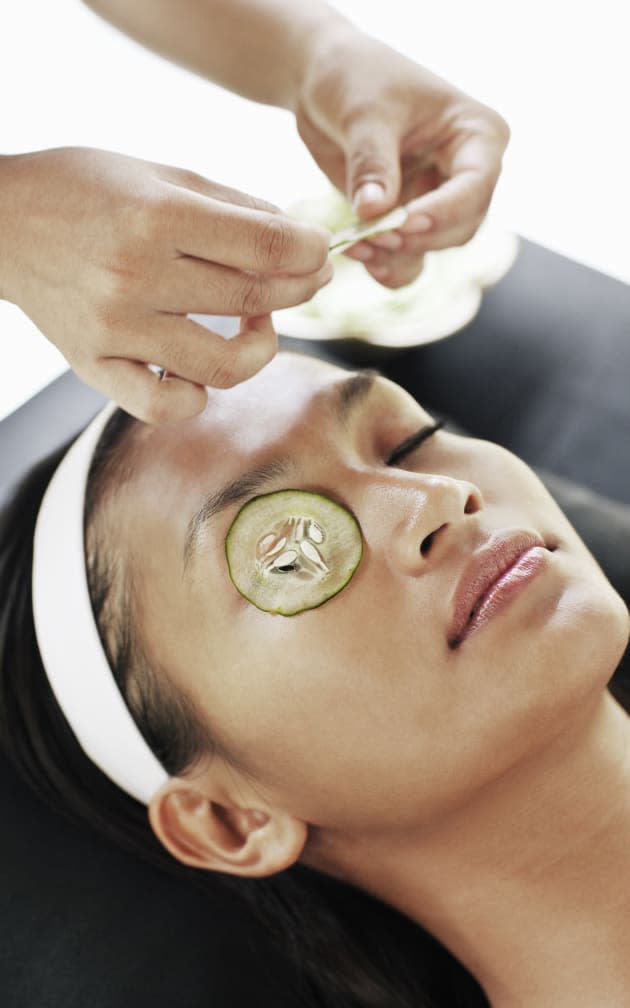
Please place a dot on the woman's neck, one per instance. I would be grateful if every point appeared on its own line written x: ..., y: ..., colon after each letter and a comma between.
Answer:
x: 526, y: 885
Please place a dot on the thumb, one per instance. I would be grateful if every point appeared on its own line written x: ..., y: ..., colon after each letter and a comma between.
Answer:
x: 372, y: 166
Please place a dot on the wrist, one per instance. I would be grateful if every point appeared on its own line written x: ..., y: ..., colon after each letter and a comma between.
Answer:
x: 318, y: 47
x: 341, y: 73
x: 8, y: 203
x: 20, y: 191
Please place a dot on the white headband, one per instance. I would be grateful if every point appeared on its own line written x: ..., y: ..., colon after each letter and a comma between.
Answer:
x: 68, y: 640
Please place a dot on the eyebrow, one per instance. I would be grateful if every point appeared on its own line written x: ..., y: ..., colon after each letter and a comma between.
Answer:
x: 347, y: 396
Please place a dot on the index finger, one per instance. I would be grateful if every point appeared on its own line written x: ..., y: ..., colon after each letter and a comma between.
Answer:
x: 246, y: 238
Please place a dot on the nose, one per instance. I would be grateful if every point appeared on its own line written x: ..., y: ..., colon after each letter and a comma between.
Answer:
x: 426, y: 519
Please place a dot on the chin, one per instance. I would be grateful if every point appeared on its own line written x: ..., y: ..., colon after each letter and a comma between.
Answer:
x: 572, y: 654
x: 589, y: 636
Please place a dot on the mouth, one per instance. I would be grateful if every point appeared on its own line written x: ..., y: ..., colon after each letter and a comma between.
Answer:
x: 493, y: 578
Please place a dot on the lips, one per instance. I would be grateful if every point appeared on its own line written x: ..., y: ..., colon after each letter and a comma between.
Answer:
x: 485, y: 576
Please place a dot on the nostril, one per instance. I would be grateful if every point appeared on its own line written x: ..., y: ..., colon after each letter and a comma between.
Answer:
x: 472, y: 505
x: 427, y: 542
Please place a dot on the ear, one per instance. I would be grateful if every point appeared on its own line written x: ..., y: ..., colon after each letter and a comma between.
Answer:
x: 219, y: 837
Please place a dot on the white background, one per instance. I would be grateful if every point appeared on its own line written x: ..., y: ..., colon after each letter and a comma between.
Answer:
x: 557, y: 70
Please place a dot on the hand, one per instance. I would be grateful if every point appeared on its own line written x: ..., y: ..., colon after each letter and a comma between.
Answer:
x: 107, y: 255
x: 386, y: 131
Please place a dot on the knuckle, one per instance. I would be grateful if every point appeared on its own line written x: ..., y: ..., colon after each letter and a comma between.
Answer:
x: 321, y: 239
x: 224, y: 371
x: 273, y: 244
x: 173, y: 354
x: 107, y: 335
x: 465, y: 234
x: 192, y: 180
x: 128, y: 270
x: 152, y: 404
x: 89, y: 370
x: 245, y: 199
x: 80, y: 345
x: 358, y: 110
x: 254, y: 296
x: 311, y: 287
x: 367, y: 163
x: 256, y: 203
x: 416, y: 245
x: 503, y: 128
x: 120, y: 281
x: 406, y: 276
x: 150, y: 215
x: 403, y: 271
x: 490, y: 121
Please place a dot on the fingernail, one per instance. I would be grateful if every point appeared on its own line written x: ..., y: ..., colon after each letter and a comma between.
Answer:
x: 380, y: 272
x: 363, y: 252
x: 391, y: 241
x: 418, y: 223
x: 369, y: 192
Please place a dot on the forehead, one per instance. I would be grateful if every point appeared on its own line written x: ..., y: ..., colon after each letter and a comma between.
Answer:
x: 240, y: 427
x: 273, y: 402
x: 257, y: 415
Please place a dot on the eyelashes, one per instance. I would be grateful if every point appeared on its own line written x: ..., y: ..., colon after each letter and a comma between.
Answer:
x: 411, y: 443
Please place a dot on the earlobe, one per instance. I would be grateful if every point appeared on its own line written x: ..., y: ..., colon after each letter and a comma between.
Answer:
x: 218, y: 837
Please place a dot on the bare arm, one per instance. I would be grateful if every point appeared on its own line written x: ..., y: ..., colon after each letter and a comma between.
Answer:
x: 110, y: 255
x: 382, y: 128
x: 257, y: 48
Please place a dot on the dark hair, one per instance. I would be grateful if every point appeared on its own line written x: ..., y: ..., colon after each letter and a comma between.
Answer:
x: 353, y: 950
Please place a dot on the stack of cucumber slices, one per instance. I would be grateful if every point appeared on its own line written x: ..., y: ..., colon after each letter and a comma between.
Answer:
x: 354, y: 306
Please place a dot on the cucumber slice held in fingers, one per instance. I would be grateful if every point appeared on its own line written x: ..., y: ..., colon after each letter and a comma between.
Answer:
x: 292, y: 550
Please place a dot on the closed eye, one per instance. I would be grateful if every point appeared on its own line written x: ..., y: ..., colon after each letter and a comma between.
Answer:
x: 410, y: 443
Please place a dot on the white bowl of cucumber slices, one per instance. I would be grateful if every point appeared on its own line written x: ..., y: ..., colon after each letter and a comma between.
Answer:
x: 354, y: 306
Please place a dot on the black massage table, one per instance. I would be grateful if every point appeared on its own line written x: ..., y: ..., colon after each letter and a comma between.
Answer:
x: 544, y: 368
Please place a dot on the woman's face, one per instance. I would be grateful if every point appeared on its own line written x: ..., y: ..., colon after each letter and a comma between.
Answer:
x: 363, y: 713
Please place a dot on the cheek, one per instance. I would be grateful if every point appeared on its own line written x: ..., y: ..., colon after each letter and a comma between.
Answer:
x: 349, y: 722
x: 508, y: 482
x: 317, y: 719
x: 515, y: 496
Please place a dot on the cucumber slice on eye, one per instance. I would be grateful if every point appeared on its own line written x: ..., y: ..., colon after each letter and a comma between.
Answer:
x: 292, y: 550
